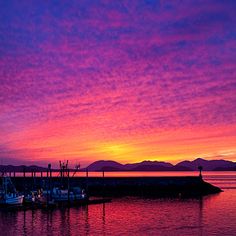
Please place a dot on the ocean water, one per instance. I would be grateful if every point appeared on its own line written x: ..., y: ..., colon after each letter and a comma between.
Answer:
x: 210, y: 215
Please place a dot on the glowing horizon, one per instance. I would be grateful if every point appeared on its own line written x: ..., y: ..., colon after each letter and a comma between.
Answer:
x: 123, y: 81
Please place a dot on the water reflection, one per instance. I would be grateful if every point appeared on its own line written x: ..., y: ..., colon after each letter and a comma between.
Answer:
x: 200, y: 220
x: 211, y: 215
x: 120, y: 217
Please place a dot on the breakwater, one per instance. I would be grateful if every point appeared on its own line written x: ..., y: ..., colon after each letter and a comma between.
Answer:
x: 125, y: 186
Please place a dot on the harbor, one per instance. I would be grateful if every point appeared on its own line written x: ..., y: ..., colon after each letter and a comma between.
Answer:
x: 24, y: 192
x: 61, y: 188
x: 132, y: 212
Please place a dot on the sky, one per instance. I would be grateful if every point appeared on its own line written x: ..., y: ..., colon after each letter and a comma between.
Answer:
x: 117, y: 80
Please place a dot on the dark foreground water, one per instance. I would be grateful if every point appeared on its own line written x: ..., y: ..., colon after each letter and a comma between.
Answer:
x: 211, y: 215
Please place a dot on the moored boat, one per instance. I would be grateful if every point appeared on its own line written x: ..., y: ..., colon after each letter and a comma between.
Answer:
x: 12, y: 199
x: 64, y: 195
x: 8, y: 193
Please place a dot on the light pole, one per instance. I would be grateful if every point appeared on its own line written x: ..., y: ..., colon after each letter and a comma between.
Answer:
x: 200, y: 171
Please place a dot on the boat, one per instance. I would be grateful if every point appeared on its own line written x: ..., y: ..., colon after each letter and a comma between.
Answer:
x: 12, y: 199
x: 30, y: 198
x: 75, y: 194
x: 65, y: 194
x: 59, y: 194
x: 8, y: 194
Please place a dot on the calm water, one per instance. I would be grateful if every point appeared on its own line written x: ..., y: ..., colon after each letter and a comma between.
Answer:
x: 212, y: 215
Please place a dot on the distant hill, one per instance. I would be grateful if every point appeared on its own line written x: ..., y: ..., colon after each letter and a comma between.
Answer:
x: 11, y: 168
x: 106, y: 166
x: 103, y: 165
x: 216, y: 165
x: 142, y: 166
x: 181, y: 168
x: 146, y: 164
x: 225, y: 169
x: 149, y: 166
x: 208, y: 165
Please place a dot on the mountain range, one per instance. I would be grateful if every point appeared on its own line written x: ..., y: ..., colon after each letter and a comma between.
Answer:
x: 212, y: 165
x: 103, y: 165
x: 21, y: 168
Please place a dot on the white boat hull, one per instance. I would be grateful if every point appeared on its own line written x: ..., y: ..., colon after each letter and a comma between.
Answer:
x: 17, y: 200
x: 8, y: 194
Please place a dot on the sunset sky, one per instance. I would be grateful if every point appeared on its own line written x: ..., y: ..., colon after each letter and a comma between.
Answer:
x: 117, y: 80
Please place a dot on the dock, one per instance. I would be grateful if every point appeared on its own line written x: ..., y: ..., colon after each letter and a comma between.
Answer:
x: 130, y: 186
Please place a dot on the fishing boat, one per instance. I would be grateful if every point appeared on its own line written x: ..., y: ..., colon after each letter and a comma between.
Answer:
x: 65, y: 193
x: 12, y: 199
x: 8, y: 193
x: 30, y: 198
x: 74, y: 194
x: 59, y: 195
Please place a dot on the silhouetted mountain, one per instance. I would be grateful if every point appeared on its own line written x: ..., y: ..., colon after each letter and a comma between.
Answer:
x: 142, y: 166
x: 100, y: 165
x: 11, y: 168
x: 163, y: 166
x: 207, y: 165
x: 145, y: 164
x: 180, y: 168
x: 150, y: 168
x: 215, y: 165
x: 111, y: 168
x: 225, y: 169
